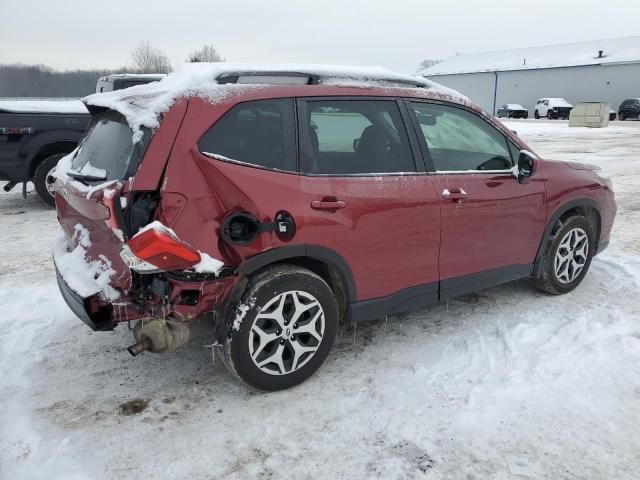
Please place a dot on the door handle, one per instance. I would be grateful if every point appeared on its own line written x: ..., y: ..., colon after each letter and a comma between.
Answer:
x: 328, y: 204
x: 454, y: 194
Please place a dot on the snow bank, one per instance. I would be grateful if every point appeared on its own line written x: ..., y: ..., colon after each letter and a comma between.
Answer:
x: 43, y: 106
x: 85, y: 277
x: 142, y: 105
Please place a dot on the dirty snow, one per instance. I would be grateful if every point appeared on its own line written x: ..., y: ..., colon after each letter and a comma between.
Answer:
x: 502, y: 382
x: 241, y: 312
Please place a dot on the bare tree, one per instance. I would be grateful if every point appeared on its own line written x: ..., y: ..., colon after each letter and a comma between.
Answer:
x: 428, y: 63
x: 147, y: 59
x: 207, y: 53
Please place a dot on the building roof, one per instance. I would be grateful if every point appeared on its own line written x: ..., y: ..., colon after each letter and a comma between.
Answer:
x: 615, y: 50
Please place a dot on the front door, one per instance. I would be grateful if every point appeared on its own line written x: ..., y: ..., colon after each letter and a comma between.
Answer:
x: 367, y: 200
x: 491, y: 225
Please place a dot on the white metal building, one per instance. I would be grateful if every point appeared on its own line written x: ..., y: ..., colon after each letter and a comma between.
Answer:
x: 595, y: 71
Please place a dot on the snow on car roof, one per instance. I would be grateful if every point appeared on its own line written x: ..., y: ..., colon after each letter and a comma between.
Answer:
x: 515, y: 106
x: 43, y: 106
x: 143, y: 104
x: 571, y: 54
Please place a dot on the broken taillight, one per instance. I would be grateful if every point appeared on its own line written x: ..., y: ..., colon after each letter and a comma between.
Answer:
x: 154, y: 250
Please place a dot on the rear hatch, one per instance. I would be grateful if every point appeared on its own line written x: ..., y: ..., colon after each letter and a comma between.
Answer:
x: 92, y: 189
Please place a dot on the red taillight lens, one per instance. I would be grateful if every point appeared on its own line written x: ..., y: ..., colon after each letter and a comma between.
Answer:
x: 163, y: 250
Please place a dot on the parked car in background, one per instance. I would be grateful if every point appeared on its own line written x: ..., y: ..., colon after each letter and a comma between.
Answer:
x: 35, y: 134
x: 612, y: 114
x: 118, y: 81
x: 512, y: 110
x: 630, y: 108
x: 552, y: 108
x: 254, y: 210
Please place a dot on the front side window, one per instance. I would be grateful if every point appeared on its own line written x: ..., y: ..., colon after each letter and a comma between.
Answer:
x: 458, y: 140
x: 345, y: 137
x: 260, y: 133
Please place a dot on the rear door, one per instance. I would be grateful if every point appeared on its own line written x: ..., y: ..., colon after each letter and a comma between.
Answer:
x: 491, y: 225
x: 365, y: 197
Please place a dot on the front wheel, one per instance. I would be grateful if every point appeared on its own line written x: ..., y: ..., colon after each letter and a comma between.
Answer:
x: 621, y: 116
x: 282, y: 329
x: 44, y: 178
x: 567, y: 256
x: 549, y: 114
x: 536, y: 115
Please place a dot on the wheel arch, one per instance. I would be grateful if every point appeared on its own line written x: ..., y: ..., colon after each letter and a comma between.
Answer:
x: 324, y: 262
x: 46, y: 151
x: 586, y: 207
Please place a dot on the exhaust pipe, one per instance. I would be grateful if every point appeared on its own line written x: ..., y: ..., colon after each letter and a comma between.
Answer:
x: 141, y: 346
x: 165, y: 335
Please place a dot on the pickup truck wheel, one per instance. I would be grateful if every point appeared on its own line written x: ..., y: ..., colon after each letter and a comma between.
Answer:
x: 282, y: 329
x: 44, y: 180
x: 567, y: 256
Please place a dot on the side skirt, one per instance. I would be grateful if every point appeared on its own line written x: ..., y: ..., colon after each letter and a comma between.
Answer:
x: 418, y: 297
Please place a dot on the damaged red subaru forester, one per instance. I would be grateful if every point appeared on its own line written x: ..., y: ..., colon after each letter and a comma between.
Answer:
x: 263, y: 205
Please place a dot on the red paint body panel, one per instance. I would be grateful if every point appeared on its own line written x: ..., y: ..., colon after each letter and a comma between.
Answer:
x: 498, y: 222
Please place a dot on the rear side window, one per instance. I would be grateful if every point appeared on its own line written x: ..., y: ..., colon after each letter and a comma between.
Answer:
x: 458, y: 140
x: 260, y: 133
x: 345, y: 137
x: 107, y: 151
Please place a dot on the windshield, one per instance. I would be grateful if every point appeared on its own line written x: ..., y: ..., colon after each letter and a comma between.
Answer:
x: 107, y: 151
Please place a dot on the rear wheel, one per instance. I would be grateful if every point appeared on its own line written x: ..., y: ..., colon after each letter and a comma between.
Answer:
x: 567, y: 257
x: 549, y: 114
x: 536, y: 115
x: 44, y: 180
x: 289, y: 324
x: 621, y: 116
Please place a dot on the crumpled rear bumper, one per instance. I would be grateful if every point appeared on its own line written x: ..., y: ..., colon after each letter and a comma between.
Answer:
x: 87, y: 309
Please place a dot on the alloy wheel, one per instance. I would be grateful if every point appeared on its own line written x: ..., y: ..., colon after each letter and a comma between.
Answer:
x: 51, y: 181
x: 571, y: 255
x: 286, y: 333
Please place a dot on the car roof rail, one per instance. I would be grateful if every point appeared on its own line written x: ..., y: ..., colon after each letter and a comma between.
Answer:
x: 305, y: 78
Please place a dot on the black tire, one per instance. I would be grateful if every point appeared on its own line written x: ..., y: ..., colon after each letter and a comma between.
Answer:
x: 549, y: 114
x: 262, y: 289
x: 621, y: 116
x: 41, y: 177
x: 547, y: 280
x: 536, y: 115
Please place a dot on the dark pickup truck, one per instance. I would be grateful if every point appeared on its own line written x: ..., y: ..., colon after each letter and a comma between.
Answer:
x: 35, y: 134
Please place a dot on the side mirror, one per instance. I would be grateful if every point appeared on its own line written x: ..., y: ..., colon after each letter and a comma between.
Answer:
x: 526, y: 163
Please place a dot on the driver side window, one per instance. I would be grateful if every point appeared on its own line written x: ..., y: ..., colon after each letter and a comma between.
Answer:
x: 458, y: 140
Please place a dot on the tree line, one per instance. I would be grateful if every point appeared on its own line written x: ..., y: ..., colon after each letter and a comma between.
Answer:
x: 19, y: 80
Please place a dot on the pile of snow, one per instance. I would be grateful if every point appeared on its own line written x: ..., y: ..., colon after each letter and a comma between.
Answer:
x: 85, y: 277
x: 142, y: 105
x: 43, y: 106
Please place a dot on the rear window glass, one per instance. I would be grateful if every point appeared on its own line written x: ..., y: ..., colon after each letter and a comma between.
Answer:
x: 261, y: 133
x: 107, y: 151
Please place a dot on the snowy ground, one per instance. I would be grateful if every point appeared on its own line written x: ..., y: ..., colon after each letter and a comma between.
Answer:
x: 504, y: 381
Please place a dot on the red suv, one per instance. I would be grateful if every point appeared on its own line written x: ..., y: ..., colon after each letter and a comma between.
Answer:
x: 263, y: 206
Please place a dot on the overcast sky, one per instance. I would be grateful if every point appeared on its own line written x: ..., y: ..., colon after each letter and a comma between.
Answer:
x: 397, y: 34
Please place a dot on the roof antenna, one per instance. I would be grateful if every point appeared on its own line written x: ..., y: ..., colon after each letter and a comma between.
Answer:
x: 524, y: 61
x: 600, y: 53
